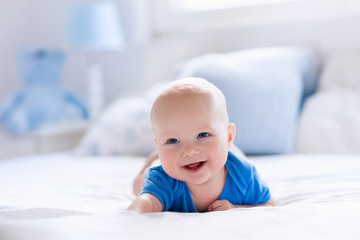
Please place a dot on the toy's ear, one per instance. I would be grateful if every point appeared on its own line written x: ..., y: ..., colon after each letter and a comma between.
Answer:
x: 231, y: 134
x: 41, y: 66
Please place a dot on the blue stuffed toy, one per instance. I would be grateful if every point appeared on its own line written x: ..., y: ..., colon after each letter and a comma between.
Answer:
x: 41, y: 100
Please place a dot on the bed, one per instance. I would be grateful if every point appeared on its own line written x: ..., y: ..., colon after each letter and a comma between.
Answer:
x: 307, y: 153
x: 63, y: 196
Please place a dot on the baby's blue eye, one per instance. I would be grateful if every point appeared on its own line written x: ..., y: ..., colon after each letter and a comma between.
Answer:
x: 172, y: 141
x: 203, y: 135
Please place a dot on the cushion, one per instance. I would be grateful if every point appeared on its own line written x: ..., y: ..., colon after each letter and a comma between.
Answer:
x: 330, y: 121
x: 123, y: 128
x: 341, y: 70
x: 264, y: 89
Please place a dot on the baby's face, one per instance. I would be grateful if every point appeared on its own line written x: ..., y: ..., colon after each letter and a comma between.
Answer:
x: 192, y: 136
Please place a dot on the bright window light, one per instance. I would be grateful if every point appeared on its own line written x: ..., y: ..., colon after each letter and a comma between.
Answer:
x: 204, y: 5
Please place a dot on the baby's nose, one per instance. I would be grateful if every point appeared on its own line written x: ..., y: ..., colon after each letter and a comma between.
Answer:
x: 190, y: 150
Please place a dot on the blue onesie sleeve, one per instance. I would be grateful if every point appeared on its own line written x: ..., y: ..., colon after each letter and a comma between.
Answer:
x: 257, y: 190
x: 172, y: 194
x: 243, y: 185
x: 159, y: 184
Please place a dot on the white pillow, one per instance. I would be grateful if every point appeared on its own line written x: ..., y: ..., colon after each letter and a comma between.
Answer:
x: 330, y: 123
x: 341, y: 70
x: 123, y: 128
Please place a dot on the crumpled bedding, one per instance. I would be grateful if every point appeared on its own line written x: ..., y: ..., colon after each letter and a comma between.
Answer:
x: 62, y: 196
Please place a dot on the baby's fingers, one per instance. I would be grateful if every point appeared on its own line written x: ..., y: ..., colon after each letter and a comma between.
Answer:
x: 220, y: 205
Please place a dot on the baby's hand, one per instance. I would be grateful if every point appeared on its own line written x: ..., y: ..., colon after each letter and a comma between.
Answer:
x: 220, y: 205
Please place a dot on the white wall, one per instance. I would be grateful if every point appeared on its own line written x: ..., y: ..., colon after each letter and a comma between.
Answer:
x: 324, y: 35
x: 148, y: 58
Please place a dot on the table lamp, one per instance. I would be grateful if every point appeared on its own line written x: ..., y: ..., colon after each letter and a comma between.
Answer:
x: 92, y: 28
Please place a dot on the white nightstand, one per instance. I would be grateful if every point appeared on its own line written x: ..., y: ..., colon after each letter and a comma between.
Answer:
x: 50, y: 138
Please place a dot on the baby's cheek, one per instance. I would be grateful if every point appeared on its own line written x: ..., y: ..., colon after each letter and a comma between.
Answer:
x: 169, y: 169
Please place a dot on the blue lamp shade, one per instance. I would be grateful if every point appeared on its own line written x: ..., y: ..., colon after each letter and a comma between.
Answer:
x: 95, y: 26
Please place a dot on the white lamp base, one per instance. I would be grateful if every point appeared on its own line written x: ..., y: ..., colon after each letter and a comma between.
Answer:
x: 96, y: 90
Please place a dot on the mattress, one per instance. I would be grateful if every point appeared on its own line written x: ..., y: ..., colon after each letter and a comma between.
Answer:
x: 63, y: 196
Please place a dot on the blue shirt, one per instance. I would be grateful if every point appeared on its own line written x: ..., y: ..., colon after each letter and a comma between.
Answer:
x: 243, y: 186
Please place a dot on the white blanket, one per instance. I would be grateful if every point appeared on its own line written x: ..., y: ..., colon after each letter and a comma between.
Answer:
x: 60, y: 196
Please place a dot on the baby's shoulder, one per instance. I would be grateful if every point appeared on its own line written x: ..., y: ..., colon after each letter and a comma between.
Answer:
x: 157, y: 174
x: 237, y: 162
x: 157, y: 171
x: 239, y: 168
x: 160, y: 184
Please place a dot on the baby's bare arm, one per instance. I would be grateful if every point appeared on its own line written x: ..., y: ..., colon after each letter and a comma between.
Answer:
x: 222, y: 205
x: 145, y: 203
x: 139, y: 178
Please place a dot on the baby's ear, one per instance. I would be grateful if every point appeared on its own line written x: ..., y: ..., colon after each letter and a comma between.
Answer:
x: 155, y: 141
x: 231, y: 134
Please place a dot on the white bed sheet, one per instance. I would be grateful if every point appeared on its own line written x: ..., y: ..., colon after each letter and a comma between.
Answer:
x: 62, y: 196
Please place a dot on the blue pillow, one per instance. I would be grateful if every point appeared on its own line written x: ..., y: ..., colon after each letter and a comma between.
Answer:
x: 264, y: 88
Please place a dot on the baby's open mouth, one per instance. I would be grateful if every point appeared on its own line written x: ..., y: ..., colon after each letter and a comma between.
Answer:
x: 195, y: 165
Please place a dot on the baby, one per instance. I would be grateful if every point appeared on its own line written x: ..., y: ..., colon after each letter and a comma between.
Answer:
x: 198, y: 172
